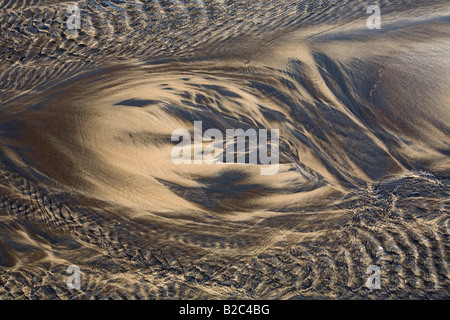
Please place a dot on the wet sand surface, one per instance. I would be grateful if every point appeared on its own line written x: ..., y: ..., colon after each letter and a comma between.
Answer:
x: 87, y: 179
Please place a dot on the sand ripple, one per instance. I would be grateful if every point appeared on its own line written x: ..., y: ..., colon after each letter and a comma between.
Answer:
x: 85, y: 171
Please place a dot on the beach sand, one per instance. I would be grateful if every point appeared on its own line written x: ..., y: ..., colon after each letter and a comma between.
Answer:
x: 87, y: 178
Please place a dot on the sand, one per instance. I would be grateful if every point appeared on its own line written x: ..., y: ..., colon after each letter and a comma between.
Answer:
x: 87, y: 179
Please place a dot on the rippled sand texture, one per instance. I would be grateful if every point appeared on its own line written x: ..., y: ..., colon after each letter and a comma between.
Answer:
x: 86, y: 176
